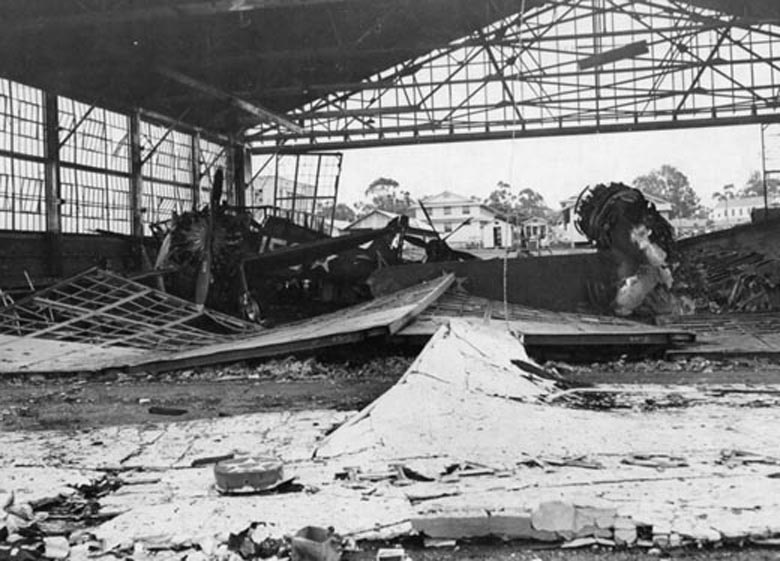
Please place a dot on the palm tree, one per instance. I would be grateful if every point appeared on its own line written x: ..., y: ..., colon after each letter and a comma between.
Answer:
x: 725, y: 196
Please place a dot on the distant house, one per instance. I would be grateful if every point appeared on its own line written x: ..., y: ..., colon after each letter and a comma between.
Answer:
x: 340, y: 227
x: 565, y: 229
x: 488, y: 228
x: 378, y: 219
x: 535, y: 232
x: 687, y: 227
x: 738, y: 211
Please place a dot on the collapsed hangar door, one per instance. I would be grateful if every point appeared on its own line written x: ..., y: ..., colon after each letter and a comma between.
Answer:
x: 302, y: 188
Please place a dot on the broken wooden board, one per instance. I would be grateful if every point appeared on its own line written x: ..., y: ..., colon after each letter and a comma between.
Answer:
x: 729, y: 335
x: 25, y: 355
x: 380, y: 317
x: 544, y: 328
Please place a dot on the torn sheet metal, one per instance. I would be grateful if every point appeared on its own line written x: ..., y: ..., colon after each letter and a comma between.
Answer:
x: 545, y: 328
x: 464, y: 363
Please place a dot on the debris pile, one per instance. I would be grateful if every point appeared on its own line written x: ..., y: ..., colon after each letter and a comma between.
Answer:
x: 52, y: 528
x: 725, y: 281
x: 618, y: 219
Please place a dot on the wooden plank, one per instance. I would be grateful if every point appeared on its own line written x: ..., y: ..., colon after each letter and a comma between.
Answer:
x: 546, y: 328
x: 729, y: 335
x: 22, y: 355
x: 381, y: 317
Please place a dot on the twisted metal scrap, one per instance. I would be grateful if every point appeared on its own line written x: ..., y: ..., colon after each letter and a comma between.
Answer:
x: 599, y: 209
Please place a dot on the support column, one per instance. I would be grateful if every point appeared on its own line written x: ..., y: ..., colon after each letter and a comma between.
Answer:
x: 242, y: 173
x: 52, y: 186
x: 136, y: 175
x: 196, y: 170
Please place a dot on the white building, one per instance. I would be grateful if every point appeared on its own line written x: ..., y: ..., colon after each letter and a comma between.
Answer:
x: 535, y: 232
x: 737, y: 211
x: 487, y: 229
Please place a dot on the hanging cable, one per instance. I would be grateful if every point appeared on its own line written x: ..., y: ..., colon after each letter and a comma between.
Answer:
x: 521, y: 21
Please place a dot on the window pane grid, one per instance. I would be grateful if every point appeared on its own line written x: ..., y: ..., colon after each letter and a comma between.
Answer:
x: 94, y: 200
x: 21, y: 118
x: 23, y: 205
x: 93, y: 136
x: 161, y: 200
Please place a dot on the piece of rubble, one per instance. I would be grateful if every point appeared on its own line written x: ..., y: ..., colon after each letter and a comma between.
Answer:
x: 578, y: 543
x: 248, y: 474
x: 391, y: 554
x: 658, y: 461
x: 555, y: 516
x: 57, y: 547
x: 172, y: 411
x: 439, y: 543
x: 624, y: 531
x: 313, y: 543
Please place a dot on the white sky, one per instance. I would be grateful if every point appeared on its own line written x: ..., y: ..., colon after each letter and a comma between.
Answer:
x: 558, y: 167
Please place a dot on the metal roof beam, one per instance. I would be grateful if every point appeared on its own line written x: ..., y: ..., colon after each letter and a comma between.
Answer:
x: 161, y: 10
x: 253, y: 109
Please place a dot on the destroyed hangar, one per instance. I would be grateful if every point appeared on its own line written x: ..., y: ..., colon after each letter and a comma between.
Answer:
x: 170, y: 171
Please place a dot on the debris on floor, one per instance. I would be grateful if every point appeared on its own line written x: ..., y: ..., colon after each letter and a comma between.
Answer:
x: 477, y: 439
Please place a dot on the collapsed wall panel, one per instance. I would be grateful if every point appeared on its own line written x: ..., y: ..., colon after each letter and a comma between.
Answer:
x: 544, y: 328
x: 98, y: 321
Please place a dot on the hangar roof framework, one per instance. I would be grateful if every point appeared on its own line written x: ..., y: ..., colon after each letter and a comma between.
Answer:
x: 317, y: 75
x: 304, y: 74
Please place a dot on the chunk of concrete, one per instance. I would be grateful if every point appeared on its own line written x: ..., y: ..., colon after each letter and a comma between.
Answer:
x: 579, y: 542
x: 624, y: 531
x: 555, y: 516
x: 588, y: 519
x: 512, y: 527
x: 57, y: 547
x: 505, y: 526
x: 452, y: 527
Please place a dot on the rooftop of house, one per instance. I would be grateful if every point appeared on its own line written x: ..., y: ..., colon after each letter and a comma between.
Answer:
x: 448, y: 198
x: 746, y: 202
x: 413, y: 222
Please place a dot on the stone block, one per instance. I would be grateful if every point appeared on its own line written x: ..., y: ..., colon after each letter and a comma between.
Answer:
x: 593, y: 517
x: 624, y: 531
x: 554, y: 516
x: 517, y: 527
x: 452, y: 527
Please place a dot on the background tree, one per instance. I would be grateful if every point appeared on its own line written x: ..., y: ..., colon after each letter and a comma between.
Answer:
x: 501, y: 199
x: 385, y: 193
x: 724, y: 196
x: 670, y: 184
x: 341, y: 212
x: 520, y: 205
x: 755, y: 186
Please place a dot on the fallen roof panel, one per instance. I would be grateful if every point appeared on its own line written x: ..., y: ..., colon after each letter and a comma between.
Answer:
x: 380, y: 317
x: 93, y: 335
x: 544, y: 327
x: 729, y: 335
